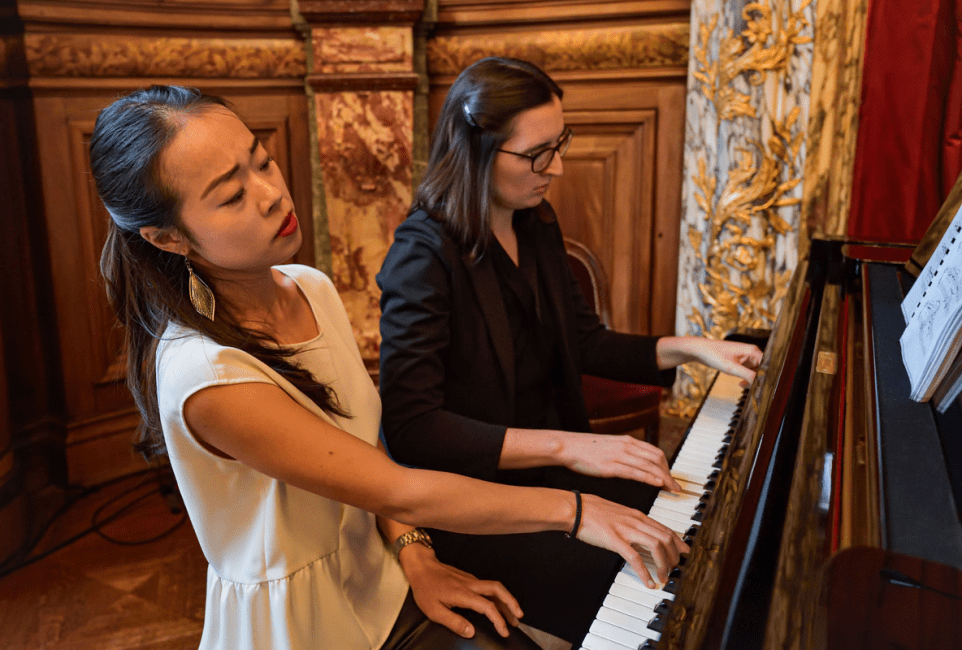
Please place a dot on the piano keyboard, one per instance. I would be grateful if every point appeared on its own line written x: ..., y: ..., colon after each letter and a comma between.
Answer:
x: 632, y: 615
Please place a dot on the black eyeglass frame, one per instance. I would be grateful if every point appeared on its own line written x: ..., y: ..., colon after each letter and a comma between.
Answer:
x: 561, y: 148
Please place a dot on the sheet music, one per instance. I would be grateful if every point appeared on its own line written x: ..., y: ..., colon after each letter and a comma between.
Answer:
x: 932, y: 338
x: 917, y: 294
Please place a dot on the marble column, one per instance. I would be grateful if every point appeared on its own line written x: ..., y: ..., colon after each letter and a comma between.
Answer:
x: 363, y: 80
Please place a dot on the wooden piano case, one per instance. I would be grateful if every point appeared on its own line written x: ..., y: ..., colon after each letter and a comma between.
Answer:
x: 835, y: 485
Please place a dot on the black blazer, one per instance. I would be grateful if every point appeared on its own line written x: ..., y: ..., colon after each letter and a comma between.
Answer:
x: 447, y: 358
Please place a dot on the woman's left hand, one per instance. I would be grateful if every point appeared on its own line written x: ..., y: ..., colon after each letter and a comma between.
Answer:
x: 738, y: 359
x: 437, y: 588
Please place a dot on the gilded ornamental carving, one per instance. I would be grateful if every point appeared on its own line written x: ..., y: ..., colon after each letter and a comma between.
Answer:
x: 97, y: 55
x: 594, y: 48
x: 745, y: 149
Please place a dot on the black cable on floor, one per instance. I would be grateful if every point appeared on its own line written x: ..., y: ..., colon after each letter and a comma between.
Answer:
x: 166, y: 488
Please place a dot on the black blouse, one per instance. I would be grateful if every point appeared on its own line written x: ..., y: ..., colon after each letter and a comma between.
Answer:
x: 534, y: 332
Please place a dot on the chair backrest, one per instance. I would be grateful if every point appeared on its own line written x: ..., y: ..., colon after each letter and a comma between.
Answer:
x: 591, y: 276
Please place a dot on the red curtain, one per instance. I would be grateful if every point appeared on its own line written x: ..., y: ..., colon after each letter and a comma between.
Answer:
x: 909, y: 148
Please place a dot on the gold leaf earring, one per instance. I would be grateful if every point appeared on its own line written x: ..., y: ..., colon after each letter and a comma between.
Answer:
x: 201, y: 297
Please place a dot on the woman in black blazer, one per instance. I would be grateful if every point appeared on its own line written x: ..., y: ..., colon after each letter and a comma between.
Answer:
x: 486, y: 333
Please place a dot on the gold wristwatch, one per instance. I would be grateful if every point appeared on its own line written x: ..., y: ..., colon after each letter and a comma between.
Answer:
x: 415, y: 535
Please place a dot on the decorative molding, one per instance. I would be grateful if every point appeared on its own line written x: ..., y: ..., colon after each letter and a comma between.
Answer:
x: 335, y: 12
x: 569, y: 49
x: 363, y: 81
x: 98, y: 55
x: 491, y: 12
x: 219, y: 15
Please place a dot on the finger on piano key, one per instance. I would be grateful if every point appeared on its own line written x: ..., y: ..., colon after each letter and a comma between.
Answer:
x: 689, y: 476
x: 690, y: 488
x: 629, y: 578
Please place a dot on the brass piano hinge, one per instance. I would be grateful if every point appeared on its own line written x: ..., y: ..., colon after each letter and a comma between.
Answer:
x: 826, y: 363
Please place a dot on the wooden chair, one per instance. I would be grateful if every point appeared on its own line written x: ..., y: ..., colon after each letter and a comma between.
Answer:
x: 613, y: 406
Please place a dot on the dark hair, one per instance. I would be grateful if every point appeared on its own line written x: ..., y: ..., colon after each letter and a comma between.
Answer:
x: 475, y: 121
x: 146, y: 286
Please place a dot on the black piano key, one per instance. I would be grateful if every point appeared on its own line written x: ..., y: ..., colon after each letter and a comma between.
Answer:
x: 710, y: 486
x: 698, y: 516
x: 672, y: 586
x: 657, y: 624
x: 691, y: 532
x: 648, y: 645
x: 675, y: 573
x: 714, y: 475
x: 663, y: 607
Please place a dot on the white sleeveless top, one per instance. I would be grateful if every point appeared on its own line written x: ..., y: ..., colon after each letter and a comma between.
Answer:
x: 288, y: 569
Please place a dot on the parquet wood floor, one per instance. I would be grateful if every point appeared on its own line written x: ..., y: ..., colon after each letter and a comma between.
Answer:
x: 96, y: 594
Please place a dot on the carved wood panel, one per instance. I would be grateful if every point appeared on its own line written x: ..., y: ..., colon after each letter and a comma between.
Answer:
x: 98, y: 406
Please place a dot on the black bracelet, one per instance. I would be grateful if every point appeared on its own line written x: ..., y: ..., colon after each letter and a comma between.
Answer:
x: 574, y: 529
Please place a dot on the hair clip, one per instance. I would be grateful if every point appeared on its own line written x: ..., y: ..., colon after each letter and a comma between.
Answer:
x: 468, y: 117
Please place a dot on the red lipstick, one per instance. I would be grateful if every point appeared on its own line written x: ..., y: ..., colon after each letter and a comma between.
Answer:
x: 288, y: 226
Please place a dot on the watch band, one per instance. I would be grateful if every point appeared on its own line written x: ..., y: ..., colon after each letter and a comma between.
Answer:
x: 414, y: 535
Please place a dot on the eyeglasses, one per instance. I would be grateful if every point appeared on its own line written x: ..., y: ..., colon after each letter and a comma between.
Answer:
x: 542, y: 159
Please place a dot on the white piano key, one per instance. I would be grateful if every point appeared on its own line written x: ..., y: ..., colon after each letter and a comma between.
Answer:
x: 670, y: 517
x: 629, y: 638
x: 641, y: 610
x: 595, y: 642
x: 692, y: 476
x: 690, y: 488
x: 622, y: 620
x: 687, y: 508
x: 677, y: 497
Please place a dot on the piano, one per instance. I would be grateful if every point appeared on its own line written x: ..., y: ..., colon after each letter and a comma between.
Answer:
x: 821, y: 504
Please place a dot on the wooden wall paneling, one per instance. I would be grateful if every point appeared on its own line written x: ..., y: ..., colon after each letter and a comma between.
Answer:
x: 32, y: 465
x: 101, y: 413
x: 652, y: 190
x: 604, y: 202
x: 65, y: 60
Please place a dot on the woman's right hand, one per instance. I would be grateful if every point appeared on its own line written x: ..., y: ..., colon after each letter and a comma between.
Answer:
x: 622, y: 456
x: 624, y: 531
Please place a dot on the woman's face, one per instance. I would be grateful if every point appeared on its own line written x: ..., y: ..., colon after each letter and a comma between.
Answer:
x: 236, y: 207
x: 514, y: 185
